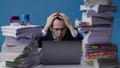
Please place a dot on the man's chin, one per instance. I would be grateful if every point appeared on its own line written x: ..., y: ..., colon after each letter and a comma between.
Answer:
x: 59, y: 38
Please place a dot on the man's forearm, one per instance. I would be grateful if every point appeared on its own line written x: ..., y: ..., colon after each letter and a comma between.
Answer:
x: 46, y: 28
x: 71, y: 28
x: 73, y: 31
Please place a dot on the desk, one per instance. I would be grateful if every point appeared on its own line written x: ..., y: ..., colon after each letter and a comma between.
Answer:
x: 82, y: 65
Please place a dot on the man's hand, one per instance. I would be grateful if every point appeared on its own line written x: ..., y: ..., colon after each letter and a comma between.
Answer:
x: 65, y: 18
x: 49, y: 21
x: 67, y: 21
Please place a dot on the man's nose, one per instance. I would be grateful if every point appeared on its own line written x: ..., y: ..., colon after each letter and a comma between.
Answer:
x: 59, y: 31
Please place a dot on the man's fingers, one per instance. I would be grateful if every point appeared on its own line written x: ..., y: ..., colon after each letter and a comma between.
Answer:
x: 54, y: 14
x: 62, y: 14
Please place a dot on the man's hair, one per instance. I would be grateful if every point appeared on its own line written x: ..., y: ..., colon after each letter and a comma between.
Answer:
x: 58, y: 18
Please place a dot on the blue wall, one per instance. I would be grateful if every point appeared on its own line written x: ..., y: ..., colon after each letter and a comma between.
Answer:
x: 39, y: 10
x: 116, y: 27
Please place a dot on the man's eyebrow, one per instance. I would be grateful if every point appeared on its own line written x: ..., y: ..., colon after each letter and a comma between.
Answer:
x: 60, y: 28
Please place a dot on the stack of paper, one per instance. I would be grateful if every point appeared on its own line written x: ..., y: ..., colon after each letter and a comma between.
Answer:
x: 106, y: 63
x: 9, y: 53
x: 19, y: 35
x: 20, y: 49
x: 95, y: 2
x: 21, y: 56
x: 21, y: 31
x: 29, y: 57
x: 93, y: 51
x: 96, y: 26
x: 22, y: 41
x: 97, y: 20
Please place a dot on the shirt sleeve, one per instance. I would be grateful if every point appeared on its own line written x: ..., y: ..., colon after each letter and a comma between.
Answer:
x: 75, y: 33
x: 43, y: 33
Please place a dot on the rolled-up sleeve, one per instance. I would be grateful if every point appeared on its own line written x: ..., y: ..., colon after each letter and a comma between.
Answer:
x: 75, y: 33
x: 43, y: 33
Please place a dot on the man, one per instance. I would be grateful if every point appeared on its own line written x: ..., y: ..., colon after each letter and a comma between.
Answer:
x: 58, y: 28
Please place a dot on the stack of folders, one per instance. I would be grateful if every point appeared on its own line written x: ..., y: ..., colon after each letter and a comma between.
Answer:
x: 96, y: 25
x: 106, y: 63
x: 92, y: 51
x: 20, y: 49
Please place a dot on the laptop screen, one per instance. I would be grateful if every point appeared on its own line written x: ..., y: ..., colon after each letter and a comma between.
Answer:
x: 61, y: 52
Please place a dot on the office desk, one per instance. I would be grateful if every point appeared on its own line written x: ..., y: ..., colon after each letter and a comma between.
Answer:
x: 82, y: 65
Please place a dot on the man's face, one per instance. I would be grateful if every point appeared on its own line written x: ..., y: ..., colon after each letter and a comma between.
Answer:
x: 58, y: 29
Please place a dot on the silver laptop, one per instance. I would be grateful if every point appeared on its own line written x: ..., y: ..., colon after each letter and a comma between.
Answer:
x: 61, y: 52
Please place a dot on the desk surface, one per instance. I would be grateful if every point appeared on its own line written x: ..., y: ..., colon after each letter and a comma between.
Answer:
x: 82, y: 65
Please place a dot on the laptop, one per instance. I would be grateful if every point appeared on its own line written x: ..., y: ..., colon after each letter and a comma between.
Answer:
x: 61, y: 52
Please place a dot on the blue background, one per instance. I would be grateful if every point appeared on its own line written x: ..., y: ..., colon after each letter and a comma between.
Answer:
x: 39, y: 10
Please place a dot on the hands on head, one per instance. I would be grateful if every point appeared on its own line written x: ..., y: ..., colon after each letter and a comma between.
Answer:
x: 55, y: 15
x: 63, y: 16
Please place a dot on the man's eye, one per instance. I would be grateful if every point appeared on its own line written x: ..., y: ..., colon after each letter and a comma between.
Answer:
x: 63, y: 29
x: 59, y: 29
x: 56, y: 29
